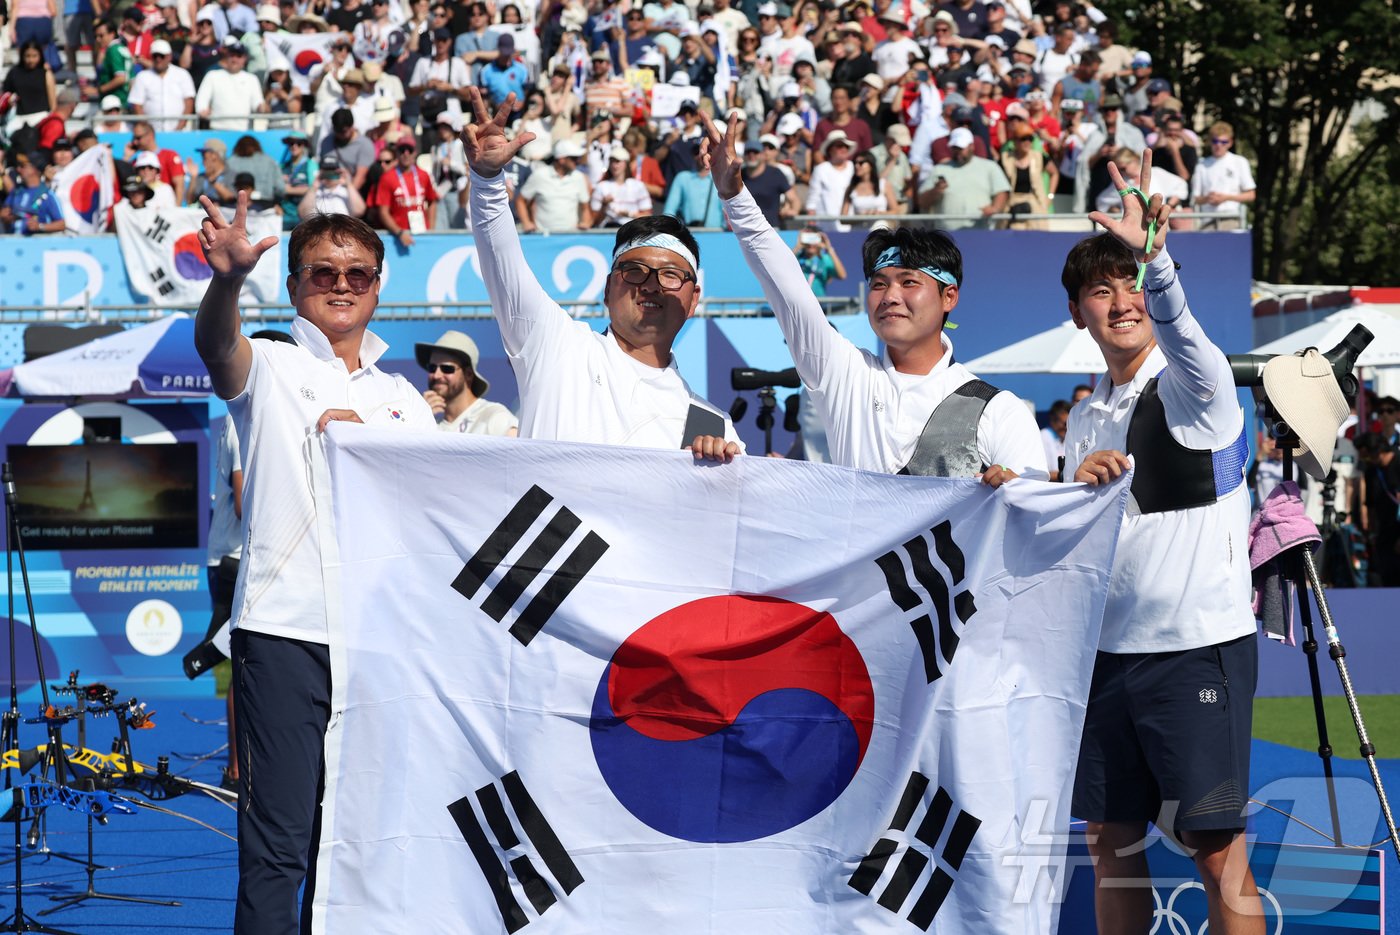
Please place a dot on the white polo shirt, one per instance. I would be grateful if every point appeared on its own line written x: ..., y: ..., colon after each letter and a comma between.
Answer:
x: 874, y: 414
x: 556, y: 198
x: 575, y: 384
x: 280, y: 588
x: 162, y: 95
x: 1181, y: 579
x: 1228, y: 175
x: 225, y: 528
x: 482, y: 417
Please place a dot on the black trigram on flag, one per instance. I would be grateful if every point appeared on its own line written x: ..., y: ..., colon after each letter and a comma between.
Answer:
x: 547, y: 544
x: 937, y: 589
x: 502, y: 871
x: 945, y: 830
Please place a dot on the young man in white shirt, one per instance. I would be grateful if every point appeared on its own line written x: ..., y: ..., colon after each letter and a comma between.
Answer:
x: 1222, y: 183
x: 621, y: 387
x: 1167, y: 730
x: 279, y: 396
x: 912, y: 409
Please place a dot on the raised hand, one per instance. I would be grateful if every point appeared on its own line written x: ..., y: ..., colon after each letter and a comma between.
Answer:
x: 225, y: 243
x: 487, y: 149
x: 1132, y: 227
x: 719, y: 153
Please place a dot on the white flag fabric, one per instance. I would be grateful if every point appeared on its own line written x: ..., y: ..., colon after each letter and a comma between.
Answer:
x: 86, y: 189
x: 165, y: 263
x: 583, y: 689
x: 299, y: 53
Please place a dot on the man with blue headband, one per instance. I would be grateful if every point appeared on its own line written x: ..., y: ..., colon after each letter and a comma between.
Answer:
x: 911, y: 409
x: 616, y: 388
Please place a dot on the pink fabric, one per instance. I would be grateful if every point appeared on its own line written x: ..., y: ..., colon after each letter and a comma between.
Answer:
x: 1280, y: 524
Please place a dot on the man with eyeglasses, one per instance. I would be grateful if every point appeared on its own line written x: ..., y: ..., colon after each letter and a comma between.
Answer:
x: 163, y: 90
x: 456, y: 391
x: 617, y: 388
x: 279, y: 396
x: 913, y: 409
x: 1222, y: 183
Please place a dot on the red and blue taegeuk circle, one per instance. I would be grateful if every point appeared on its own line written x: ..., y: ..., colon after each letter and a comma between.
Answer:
x: 305, y: 60
x: 732, y: 718
x: 83, y: 196
x: 189, y: 258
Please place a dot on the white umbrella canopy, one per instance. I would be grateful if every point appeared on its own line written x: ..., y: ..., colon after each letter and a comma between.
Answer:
x: 153, y: 360
x: 1062, y: 349
x: 1383, y: 351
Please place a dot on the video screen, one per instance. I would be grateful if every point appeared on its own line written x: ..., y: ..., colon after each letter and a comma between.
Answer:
x: 107, y: 496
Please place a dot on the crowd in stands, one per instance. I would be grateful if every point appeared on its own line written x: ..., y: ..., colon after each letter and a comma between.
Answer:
x: 985, y: 113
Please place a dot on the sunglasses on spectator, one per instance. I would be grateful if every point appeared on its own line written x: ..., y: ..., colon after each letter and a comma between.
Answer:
x: 941, y: 29
x: 635, y: 16
x: 668, y: 277
x: 1388, y: 410
x: 358, y: 278
x: 1222, y: 140
x: 447, y: 369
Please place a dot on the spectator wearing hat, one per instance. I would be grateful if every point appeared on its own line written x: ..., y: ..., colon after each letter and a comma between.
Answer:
x: 449, y: 170
x: 406, y: 197
x: 785, y: 42
x: 1033, y: 177
x: 831, y: 178
x: 1223, y: 183
x: 602, y: 92
x: 164, y: 90
x: 1113, y: 133
x: 147, y: 166
x: 172, y: 30
x: 137, y: 193
x: 967, y: 185
x: 213, y: 179
x: 229, y: 94
x: 771, y: 187
x: 893, y: 56
x: 556, y: 199
x: 794, y: 152
x: 944, y: 31
x: 389, y: 126
x: 298, y: 175
x: 854, y: 62
x: 1044, y: 123
x: 350, y: 148
x: 201, y: 54
x: 1133, y: 89
x: 504, y: 75
x: 1081, y: 84
x: 354, y: 101
x: 456, y: 391
x: 114, y: 66
x: 871, y: 107
x: 891, y: 160
x: 61, y: 156
x: 477, y: 45
x: 324, y: 77
x: 332, y: 193
x: 440, y: 80
x: 31, y: 208
x: 377, y: 37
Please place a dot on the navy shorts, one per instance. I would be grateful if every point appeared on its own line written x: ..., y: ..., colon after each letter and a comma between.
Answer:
x: 1166, y: 737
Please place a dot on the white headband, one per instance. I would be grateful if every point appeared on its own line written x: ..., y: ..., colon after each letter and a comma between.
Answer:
x: 663, y: 242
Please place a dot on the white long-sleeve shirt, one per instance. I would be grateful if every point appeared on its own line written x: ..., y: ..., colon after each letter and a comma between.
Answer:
x: 874, y: 414
x: 1181, y: 579
x: 575, y: 384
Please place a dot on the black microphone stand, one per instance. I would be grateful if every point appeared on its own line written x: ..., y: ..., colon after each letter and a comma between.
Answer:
x: 20, y: 921
x: 767, y: 402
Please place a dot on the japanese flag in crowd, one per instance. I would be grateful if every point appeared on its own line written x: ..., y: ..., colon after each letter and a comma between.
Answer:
x: 165, y: 263
x: 583, y: 689
x: 86, y: 189
x: 299, y: 53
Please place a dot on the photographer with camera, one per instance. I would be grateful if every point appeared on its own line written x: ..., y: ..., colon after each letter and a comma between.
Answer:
x: 819, y: 262
x: 912, y: 409
x: 333, y: 193
x: 1167, y: 729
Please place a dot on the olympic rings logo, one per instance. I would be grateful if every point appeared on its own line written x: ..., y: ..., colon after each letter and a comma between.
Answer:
x: 1176, y: 922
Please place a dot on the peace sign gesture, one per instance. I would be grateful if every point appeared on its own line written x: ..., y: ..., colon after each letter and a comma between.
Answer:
x: 485, y: 144
x: 720, y: 154
x: 1143, y: 217
x: 225, y: 243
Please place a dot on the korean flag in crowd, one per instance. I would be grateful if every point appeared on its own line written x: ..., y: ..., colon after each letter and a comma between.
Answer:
x: 583, y: 689
x: 299, y: 54
x: 165, y: 263
x: 86, y: 190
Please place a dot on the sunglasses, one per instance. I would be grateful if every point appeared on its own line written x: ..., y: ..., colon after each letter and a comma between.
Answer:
x: 358, y: 278
x: 1388, y: 410
x: 447, y: 369
x: 1221, y: 140
x: 386, y: 162
x: 669, y: 278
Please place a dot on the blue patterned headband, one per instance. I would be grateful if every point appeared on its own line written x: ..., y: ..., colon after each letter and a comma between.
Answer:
x: 663, y: 242
x: 892, y: 257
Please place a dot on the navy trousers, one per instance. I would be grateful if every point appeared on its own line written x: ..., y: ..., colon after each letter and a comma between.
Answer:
x: 282, y: 703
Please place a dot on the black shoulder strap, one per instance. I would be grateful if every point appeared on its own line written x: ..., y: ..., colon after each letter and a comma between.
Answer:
x: 701, y: 421
x: 947, y: 447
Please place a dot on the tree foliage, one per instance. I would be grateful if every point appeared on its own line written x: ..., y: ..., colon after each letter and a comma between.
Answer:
x: 1292, y: 78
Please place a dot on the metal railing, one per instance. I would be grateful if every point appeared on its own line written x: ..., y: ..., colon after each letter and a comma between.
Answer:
x: 386, y: 311
x: 1201, y: 220
x: 304, y: 121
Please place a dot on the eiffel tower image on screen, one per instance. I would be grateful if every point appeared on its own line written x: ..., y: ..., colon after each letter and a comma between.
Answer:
x: 87, y: 505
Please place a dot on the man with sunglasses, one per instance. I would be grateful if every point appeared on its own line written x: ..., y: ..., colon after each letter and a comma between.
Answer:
x: 406, y: 197
x: 279, y: 396
x: 912, y: 409
x: 621, y: 387
x: 163, y: 90
x: 456, y: 391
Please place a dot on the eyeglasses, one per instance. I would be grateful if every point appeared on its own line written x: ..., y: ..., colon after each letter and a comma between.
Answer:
x: 1223, y: 141
x: 447, y: 369
x: 386, y: 162
x: 358, y: 278
x: 668, y: 277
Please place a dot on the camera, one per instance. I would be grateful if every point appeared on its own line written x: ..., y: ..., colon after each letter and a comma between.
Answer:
x: 810, y: 239
x: 748, y: 378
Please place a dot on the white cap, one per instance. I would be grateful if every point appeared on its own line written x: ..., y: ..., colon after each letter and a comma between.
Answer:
x: 146, y: 160
x: 736, y: 112
x: 790, y: 89
x: 960, y: 138
x: 567, y: 148
x: 160, y: 47
x: 789, y: 124
x: 205, y: 14
x: 768, y: 9
x: 620, y: 153
x: 680, y: 80
x: 268, y: 13
x: 111, y: 102
x: 768, y: 139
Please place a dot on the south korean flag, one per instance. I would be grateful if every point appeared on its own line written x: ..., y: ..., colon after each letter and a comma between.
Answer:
x: 583, y: 689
